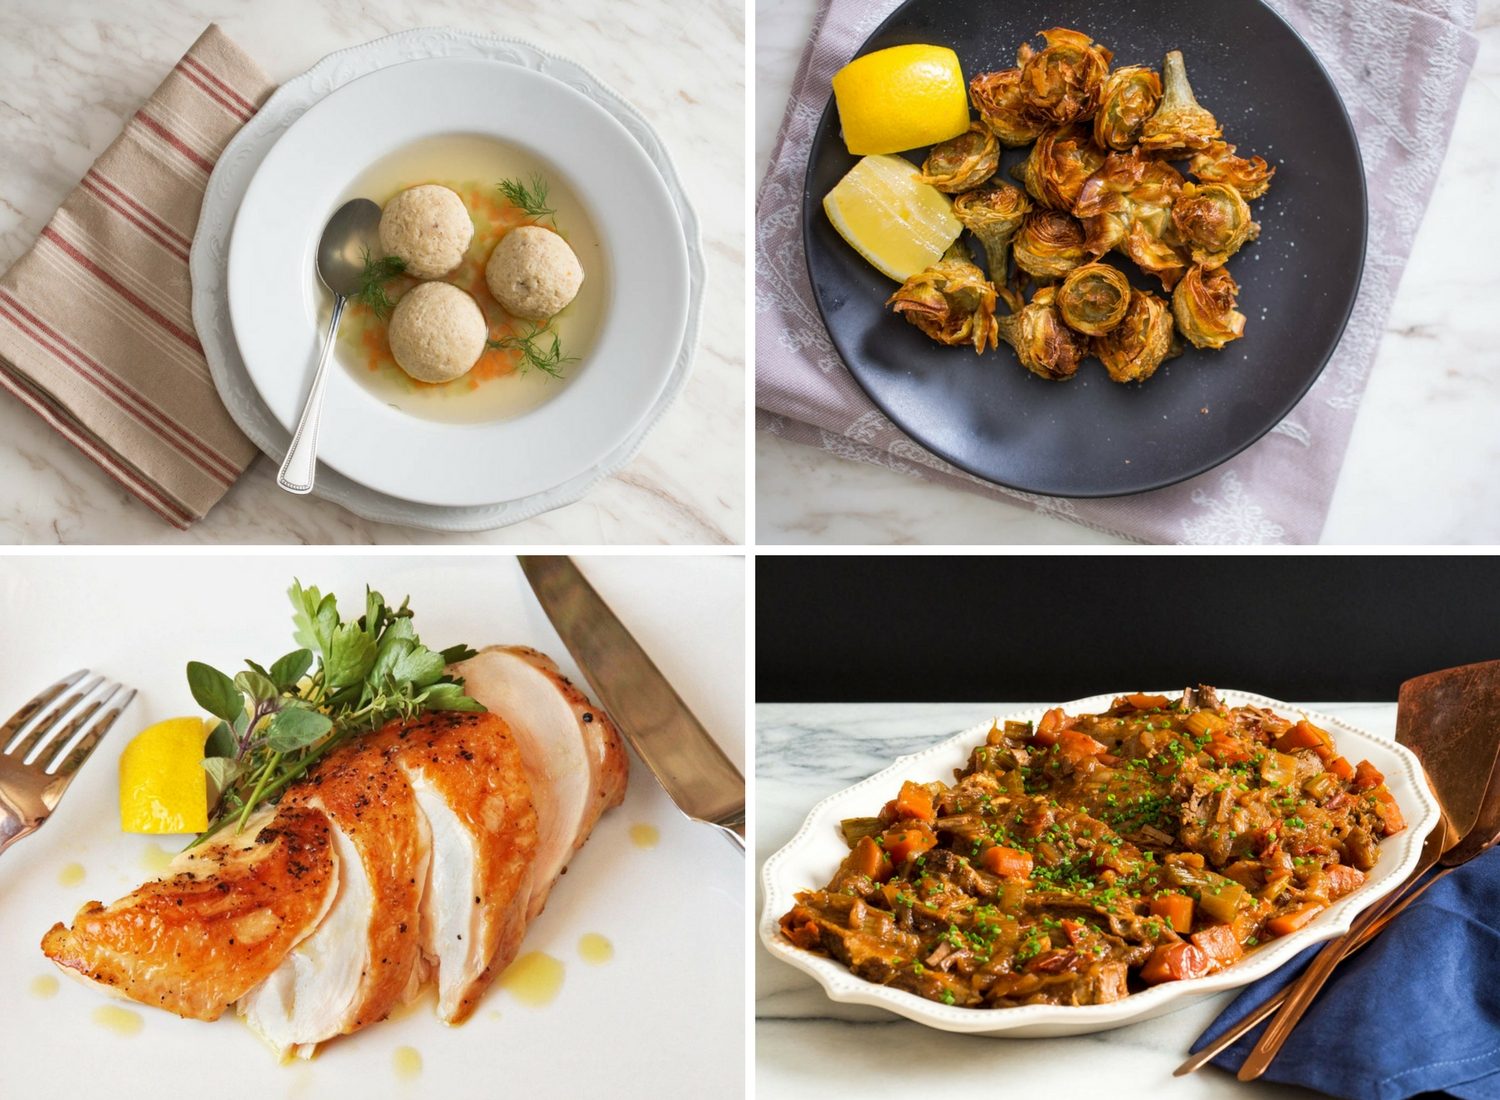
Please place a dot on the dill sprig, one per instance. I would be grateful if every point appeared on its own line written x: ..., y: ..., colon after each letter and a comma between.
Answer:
x: 532, y: 200
x: 372, y: 280
x: 548, y: 359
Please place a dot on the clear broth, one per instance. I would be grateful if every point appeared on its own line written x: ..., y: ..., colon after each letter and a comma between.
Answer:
x: 495, y: 389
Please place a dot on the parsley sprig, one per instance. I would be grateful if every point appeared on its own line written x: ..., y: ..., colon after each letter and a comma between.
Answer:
x: 372, y: 280
x: 535, y: 353
x: 346, y: 679
x: 530, y: 199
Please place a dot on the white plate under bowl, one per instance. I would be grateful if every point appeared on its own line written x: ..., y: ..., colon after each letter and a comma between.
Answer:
x: 275, y: 299
x: 810, y: 858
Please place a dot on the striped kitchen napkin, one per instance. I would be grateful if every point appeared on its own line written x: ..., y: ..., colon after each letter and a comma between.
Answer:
x: 96, y: 326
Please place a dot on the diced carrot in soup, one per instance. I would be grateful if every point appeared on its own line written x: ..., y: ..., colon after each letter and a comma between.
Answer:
x: 1146, y: 702
x: 1341, y: 768
x: 1367, y: 776
x: 1304, y: 735
x: 1391, y: 819
x: 1048, y: 729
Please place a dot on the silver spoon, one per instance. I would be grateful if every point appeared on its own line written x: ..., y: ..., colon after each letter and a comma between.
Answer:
x: 351, y: 232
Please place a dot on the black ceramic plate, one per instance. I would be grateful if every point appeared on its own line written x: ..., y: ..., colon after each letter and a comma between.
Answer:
x: 1091, y: 437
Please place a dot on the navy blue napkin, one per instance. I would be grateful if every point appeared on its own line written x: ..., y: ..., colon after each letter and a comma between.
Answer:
x: 1417, y: 1011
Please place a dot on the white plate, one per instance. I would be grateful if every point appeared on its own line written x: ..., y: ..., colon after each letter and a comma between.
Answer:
x: 275, y: 299
x: 810, y: 858
x: 226, y: 189
x: 649, y: 1029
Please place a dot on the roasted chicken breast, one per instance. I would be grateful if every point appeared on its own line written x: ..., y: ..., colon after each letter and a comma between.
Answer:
x: 217, y: 925
x: 418, y: 852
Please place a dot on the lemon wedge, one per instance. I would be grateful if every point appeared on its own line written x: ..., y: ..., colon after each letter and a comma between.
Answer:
x: 900, y: 98
x: 163, y: 787
x: 891, y: 218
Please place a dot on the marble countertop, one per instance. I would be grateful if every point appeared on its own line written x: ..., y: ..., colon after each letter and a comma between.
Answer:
x: 71, y: 73
x: 1420, y: 465
x: 804, y: 1041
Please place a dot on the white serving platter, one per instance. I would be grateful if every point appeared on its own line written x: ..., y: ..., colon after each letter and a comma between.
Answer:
x: 809, y: 859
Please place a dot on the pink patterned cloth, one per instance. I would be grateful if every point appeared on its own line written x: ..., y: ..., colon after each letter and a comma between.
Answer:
x: 1400, y: 65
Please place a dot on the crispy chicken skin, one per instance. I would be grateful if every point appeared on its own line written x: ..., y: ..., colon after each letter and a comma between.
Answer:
x: 197, y: 940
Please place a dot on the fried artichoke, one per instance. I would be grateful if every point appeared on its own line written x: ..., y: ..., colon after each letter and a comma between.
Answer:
x: 964, y: 162
x: 1048, y: 245
x: 1128, y: 98
x: 1251, y: 177
x: 1204, y: 305
x: 1002, y: 107
x: 1141, y: 342
x: 1093, y: 299
x: 1058, y: 166
x: 1046, y: 347
x: 994, y: 214
x: 952, y: 302
x: 1061, y: 83
x: 1180, y: 125
x: 1129, y: 188
x: 1212, y: 221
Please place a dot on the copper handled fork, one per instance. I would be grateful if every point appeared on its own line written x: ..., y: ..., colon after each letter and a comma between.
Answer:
x: 44, y: 743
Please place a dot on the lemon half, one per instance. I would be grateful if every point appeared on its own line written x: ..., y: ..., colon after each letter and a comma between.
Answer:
x: 163, y: 787
x: 891, y: 218
x: 900, y: 98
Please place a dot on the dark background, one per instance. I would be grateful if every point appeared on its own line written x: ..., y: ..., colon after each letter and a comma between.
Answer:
x: 1041, y: 629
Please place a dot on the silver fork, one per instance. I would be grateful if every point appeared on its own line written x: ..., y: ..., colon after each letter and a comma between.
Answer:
x: 44, y: 743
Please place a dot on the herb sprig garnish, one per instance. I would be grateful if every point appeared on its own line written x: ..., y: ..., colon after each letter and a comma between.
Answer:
x: 346, y: 679
x: 372, y: 280
x: 532, y: 200
x: 535, y: 354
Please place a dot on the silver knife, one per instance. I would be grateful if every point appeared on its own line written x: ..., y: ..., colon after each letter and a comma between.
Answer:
x: 691, y: 768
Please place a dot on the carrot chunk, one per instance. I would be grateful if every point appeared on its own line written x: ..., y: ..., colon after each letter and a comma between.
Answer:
x: 1341, y: 768
x: 1367, y: 776
x: 915, y: 801
x: 1304, y: 735
x: 1175, y: 909
x: 1173, y: 962
x: 1047, y: 730
x: 1392, y: 821
x: 1076, y: 747
x: 1006, y: 862
x: 1218, y: 942
x: 1146, y: 702
x: 868, y: 858
x: 1290, y: 921
x: 904, y: 842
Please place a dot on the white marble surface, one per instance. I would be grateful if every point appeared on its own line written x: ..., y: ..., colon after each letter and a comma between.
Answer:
x: 1419, y: 469
x: 70, y: 73
x: 804, y: 1041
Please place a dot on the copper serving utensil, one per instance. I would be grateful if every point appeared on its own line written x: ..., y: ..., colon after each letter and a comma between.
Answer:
x: 1451, y: 721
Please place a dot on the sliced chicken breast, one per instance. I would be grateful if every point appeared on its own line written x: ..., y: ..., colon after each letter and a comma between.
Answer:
x: 573, y: 754
x: 470, y: 783
x: 363, y: 960
x: 216, y: 925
